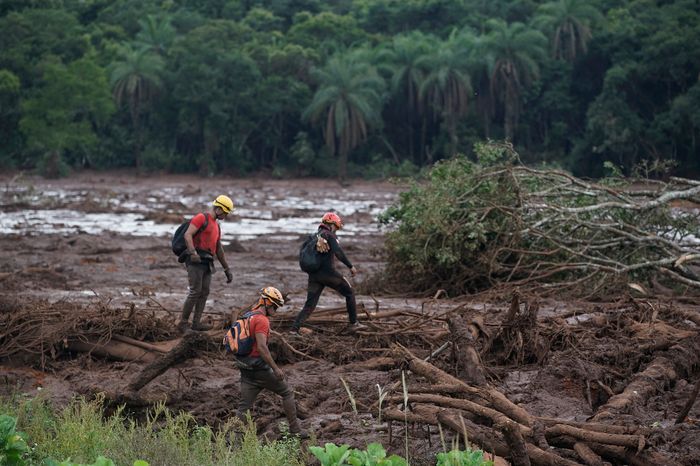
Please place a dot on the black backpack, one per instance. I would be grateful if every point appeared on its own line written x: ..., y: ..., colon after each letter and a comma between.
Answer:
x: 309, y: 257
x: 178, y: 242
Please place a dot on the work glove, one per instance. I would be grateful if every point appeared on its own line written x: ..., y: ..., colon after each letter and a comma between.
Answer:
x: 194, y: 258
x: 322, y: 245
x: 229, y: 275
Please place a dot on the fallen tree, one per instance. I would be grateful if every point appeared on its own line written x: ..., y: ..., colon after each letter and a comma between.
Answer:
x: 472, y: 227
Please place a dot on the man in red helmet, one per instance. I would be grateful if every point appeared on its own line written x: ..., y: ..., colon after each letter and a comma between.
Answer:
x: 328, y: 276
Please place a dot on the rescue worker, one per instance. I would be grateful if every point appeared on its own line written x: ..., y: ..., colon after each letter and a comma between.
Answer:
x: 202, y: 247
x: 258, y: 370
x: 327, y: 275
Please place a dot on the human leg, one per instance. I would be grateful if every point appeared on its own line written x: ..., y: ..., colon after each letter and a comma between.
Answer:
x: 313, y: 293
x: 195, y: 276
x: 201, y: 302
x: 250, y: 389
x: 342, y: 286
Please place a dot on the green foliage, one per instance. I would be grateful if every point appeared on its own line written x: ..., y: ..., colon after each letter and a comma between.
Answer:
x: 226, y: 86
x: 82, y: 432
x: 374, y: 455
x: 13, y: 445
x: 466, y: 457
x: 64, y: 113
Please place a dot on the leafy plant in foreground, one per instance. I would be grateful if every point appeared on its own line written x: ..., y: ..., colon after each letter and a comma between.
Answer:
x: 462, y: 458
x: 12, y: 444
x: 375, y: 455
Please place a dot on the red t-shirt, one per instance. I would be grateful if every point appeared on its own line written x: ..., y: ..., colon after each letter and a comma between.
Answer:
x: 259, y: 323
x: 207, y: 239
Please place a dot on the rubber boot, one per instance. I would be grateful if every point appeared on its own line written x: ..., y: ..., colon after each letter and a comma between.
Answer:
x: 290, y: 410
x: 301, y: 318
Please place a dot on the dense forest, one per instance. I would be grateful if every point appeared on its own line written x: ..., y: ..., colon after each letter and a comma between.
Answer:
x: 347, y: 87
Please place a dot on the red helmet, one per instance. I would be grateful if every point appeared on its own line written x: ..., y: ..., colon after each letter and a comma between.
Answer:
x: 332, y: 218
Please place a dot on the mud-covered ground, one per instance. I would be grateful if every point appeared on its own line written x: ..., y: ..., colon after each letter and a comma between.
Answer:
x: 101, y: 241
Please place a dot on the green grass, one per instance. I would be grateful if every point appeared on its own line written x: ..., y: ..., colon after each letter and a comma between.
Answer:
x: 81, y: 432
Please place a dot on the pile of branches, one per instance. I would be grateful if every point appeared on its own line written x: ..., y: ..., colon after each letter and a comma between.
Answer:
x: 464, y: 401
x: 42, y: 329
x: 472, y: 228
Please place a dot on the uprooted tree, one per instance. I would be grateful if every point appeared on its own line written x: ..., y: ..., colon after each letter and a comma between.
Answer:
x: 472, y: 226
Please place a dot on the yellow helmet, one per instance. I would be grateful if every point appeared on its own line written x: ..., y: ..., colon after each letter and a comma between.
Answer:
x: 224, y: 202
x: 273, y: 294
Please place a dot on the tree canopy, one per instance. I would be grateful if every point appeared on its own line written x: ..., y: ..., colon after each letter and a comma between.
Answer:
x: 349, y: 88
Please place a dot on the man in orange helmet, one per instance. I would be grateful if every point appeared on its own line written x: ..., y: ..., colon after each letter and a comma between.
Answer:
x: 327, y: 275
x: 258, y: 370
x: 203, y: 239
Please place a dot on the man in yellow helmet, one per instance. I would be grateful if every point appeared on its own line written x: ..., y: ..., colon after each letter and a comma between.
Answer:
x: 258, y: 370
x: 203, y: 239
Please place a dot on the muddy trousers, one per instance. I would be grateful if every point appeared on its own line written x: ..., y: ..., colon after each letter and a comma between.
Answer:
x: 317, y: 282
x: 199, y: 276
x: 253, y: 382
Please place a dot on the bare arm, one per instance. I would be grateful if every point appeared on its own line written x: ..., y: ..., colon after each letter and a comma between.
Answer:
x: 261, y: 340
x: 189, y: 235
x: 220, y: 255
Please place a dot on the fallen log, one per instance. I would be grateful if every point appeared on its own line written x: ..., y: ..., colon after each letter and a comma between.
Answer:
x: 514, y: 438
x: 114, y: 350
x: 494, y: 416
x: 635, y: 442
x: 588, y: 456
x: 497, y: 399
x: 184, y: 350
x: 537, y: 455
x: 596, y: 427
x: 663, y: 370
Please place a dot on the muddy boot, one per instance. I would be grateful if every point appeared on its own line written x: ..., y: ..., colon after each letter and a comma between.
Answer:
x: 182, y: 326
x: 290, y: 411
x: 196, y: 324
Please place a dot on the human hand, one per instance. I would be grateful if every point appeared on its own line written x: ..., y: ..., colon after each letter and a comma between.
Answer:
x: 279, y: 374
x: 322, y: 245
x: 229, y: 275
x: 353, y: 271
x: 195, y: 258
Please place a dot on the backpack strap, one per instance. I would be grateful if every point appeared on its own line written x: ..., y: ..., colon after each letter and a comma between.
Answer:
x: 204, y: 225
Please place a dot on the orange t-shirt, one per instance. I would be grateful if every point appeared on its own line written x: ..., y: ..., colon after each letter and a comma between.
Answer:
x: 207, y: 239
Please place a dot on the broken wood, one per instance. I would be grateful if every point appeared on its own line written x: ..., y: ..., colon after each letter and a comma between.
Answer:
x: 494, y: 416
x: 659, y: 373
x: 488, y: 443
x: 689, y: 404
x: 497, y: 399
x: 185, y: 349
x: 588, y: 456
x: 463, y: 351
x: 514, y: 438
x: 635, y: 442
x: 114, y: 350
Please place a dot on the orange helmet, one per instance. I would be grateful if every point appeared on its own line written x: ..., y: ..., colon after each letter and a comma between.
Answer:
x: 273, y: 294
x: 332, y: 218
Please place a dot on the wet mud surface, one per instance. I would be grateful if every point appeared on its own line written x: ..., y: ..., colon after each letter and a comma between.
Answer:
x: 98, y: 245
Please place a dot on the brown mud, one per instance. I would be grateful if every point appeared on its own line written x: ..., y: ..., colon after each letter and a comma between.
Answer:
x: 549, y: 372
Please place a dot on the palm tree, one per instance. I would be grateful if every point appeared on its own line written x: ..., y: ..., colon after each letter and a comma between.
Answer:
x: 514, y: 52
x: 348, y: 100
x: 569, y: 23
x: 156, y: 34
x: 447, y: 87
x: 402, y: 61
x: 135, y: 81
